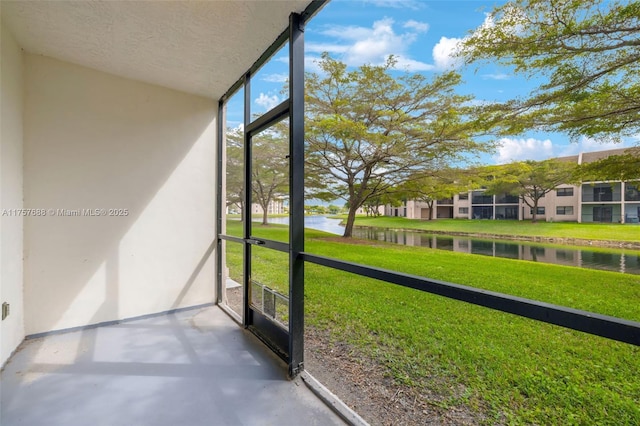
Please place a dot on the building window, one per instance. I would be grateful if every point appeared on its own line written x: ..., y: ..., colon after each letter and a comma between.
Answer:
x: 603, y: 214
x: 632, y: 193
x: 479, y: 197
x: 539, y: 210
x: 463, y: 210
x: 564, y: 210
x: 564, y: 192
x: 602, y: 193
x: 463, y: 196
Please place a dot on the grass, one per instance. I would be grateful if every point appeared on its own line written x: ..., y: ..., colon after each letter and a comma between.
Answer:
x: 589, y: 231
x: 514, y: 370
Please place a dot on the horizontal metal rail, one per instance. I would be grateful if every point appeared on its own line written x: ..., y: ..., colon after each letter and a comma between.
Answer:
x: 230, y: 238
x: 279, y: 112
x: 600, y: 325
x: 274, y: 245
x: 256, y: 241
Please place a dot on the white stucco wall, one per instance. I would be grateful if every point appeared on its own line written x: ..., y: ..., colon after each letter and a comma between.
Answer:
x: 96, y: 141
x: 11, y: 227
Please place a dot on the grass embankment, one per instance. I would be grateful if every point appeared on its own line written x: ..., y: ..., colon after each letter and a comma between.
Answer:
x: 510, y: 368
x: 566, y: 230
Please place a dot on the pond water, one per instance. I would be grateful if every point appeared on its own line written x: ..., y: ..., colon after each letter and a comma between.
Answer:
x: 613, y: 260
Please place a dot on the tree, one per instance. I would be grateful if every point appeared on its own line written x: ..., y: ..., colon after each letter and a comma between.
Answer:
x: 390, y: 197
x: 333, y: 209
x: 530, y: 180
x: 235, y: 170
x: 367, y: 131
x: 429, y: 186
x: 270, y: 167
x: 269, y: 172
x: 587, y: 50
x: 623, y: 167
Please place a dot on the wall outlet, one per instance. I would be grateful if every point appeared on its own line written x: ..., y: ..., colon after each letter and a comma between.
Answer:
x: 5, y: 310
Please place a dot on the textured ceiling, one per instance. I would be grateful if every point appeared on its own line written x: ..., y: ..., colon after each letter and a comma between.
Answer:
x: 200, y: 47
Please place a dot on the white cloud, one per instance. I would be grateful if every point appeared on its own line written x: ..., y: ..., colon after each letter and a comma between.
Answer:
x: 379, y: 43
x: 499, y: 76
x: 403, y: 63
x: 444, y: 53
x: 362, y: 45
x: 586, y: 144
x: 420, y: 27
x: 276, y: 78
x: 311, y: 64
x: 266, y: 101
x: 234, y: 126
x: 351, y: 32
x: 523, y: 149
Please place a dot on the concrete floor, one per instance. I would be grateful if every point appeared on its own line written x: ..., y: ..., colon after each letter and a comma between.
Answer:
x: 195, y: 367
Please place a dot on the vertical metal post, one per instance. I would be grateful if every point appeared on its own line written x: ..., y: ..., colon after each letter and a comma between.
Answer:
x: 219, y: 200
x: 296, y: 194
x: 246, y: 233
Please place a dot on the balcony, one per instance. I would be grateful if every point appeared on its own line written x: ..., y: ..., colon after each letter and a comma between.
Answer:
x: 602, y: 192
x: 601, y: 197
x: 147, y: 144
x: 481, y: 199
x: 194, y: 367
x: 109, y: 187
x: 507, y: 199
x: 631, y: 193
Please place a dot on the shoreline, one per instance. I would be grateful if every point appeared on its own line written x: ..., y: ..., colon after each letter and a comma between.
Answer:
x: 633, y: 245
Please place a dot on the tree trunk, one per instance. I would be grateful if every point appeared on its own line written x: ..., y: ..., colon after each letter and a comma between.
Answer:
x: 430, y: 205
x: 351, y: 218
x: 535, y: 212
x: 264, y: 216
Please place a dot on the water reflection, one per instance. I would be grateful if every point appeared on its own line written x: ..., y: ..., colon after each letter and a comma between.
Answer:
x: 616, y: 261
x: 321, y: 223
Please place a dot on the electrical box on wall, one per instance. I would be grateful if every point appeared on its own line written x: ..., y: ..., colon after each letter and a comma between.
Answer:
x: 5, y: 310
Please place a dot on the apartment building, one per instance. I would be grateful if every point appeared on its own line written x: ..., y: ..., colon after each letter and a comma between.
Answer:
x: 276, y: 206
x: 597, y: 201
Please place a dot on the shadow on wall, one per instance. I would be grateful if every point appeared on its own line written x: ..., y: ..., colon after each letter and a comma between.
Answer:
x: 125, y: 171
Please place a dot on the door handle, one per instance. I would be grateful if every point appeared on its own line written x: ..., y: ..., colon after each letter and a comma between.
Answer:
x: 255, y: 242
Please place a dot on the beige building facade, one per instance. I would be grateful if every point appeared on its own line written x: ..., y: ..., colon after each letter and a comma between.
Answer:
x: 597, y: 201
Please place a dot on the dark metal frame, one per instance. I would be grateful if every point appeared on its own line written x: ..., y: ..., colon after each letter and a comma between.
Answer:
x: 290, y: 345
x: 296, y: 191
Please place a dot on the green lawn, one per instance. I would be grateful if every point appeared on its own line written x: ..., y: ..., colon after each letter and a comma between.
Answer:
x: 512, y: 369
x: 589, y: 231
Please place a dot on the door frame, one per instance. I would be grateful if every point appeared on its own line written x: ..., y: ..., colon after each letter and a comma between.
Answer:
x: 289, y: 345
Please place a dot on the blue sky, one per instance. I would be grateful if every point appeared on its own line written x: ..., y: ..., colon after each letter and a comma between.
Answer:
x: 422, y: 35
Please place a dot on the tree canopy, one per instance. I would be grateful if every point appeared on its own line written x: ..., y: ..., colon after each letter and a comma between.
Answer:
x: 368, y: 130
x: 270, y: 166
x: 235, y: 169
x: 588, y: 53
x: 530, y: 180
x: 625, y: 166
x: 430, y: 186
x: 269, y: 171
